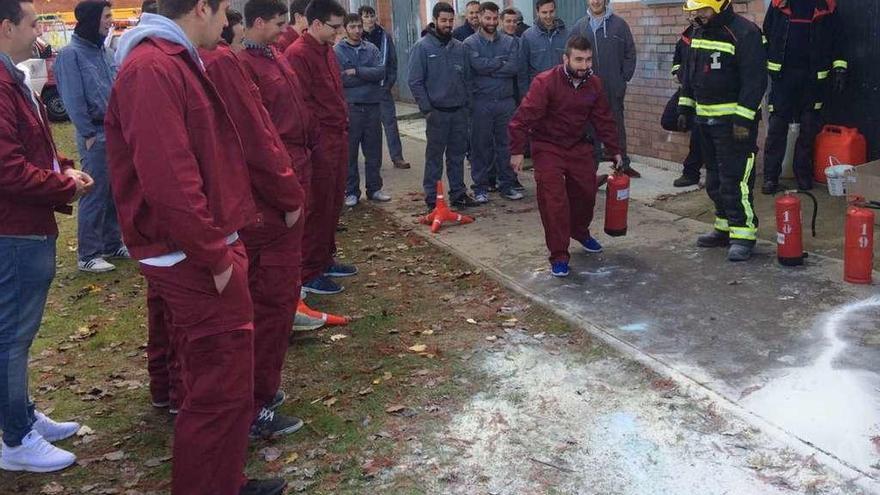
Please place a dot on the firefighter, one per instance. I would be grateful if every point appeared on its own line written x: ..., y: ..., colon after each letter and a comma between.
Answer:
x: 723, y: 83
x: 804, y: 44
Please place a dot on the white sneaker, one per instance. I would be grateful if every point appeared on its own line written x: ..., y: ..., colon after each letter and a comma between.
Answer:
x: 305, y: 323
x: 351, y: 200
x: 481, y: 198
x: 53, y: 431
x: 381, y: 196
x: 95, y: 265
x: 36, y: 455
x: 121, y: 253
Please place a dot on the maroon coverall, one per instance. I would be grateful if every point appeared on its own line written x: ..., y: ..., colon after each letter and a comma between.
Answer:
x: 321, y: 83
x: 554, y: 115
x: 181, y: 184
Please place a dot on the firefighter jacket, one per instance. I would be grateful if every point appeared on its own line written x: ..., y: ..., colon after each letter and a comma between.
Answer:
x: 725, y: 74
x: 682, y: 46
x: 826, y: 38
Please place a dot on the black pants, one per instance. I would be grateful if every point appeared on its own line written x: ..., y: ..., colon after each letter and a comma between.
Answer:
x: 694, y: 160
x: 794, y: 98
x: 730, y: 179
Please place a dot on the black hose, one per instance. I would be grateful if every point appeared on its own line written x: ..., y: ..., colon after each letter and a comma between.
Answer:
x: 815, y: 210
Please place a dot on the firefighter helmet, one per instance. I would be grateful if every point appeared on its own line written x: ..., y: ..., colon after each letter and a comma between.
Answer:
x: 716, y: 5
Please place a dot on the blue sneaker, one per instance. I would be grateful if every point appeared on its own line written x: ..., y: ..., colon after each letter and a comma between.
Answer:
x: 322, y: 285
x: 591, y: 245
x: 559, y: 268
x: 339, y: 270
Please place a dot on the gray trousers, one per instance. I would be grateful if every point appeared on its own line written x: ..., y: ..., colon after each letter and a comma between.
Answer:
x: 490, y: 144
x: 364, y: 133
x: 616, y: 104
x: 389, y: 124
x: 97, y: 227
x: 447, y: 136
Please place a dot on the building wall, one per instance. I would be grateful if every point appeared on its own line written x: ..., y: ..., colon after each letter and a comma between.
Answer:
x: 52, y: 6
x: 656, y: 28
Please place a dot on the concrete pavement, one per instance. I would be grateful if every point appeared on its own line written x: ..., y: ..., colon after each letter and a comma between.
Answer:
x: 793, y: 350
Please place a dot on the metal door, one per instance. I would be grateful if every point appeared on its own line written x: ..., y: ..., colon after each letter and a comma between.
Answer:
x: 570, y: 11
x: 407, y: 29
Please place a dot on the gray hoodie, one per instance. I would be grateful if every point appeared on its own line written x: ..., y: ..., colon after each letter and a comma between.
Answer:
x: 154, y: 26
x: 614, y: 50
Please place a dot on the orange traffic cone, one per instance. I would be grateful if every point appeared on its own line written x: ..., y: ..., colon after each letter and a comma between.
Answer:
x: 442, y: 213
x: 332, y: 320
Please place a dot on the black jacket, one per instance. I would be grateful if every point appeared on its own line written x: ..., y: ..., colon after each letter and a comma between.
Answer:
x: 387, y: 53
x: 682, y: 46
x: 725, y: 75
x: 826, y: 38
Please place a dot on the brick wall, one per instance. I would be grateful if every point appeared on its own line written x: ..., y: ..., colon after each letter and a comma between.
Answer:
x: 656, y: 30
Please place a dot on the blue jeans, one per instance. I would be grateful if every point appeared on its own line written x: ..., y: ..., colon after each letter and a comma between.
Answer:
x: 364, y: 134
x: 389, y: 123
x: 27, y: 267
x: 97, y: 227
x: 447, y: 137
x: 490, y: 143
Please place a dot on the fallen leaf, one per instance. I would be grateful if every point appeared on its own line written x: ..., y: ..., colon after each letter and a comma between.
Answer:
x: 338, y: 336
x: 157, y: 461
x: 329, y: 402
x: 396, y: 408
x: 270, y: 454
x: 366, y: 391
x: 52, y: 488
x: 471, y: 321
x: 291, y: 458
x: 387, y: 376
x: 418, y: 348
x: 491, y: 338
x: 84, y: 430
x: 116, y: 455
x: 427, y: 332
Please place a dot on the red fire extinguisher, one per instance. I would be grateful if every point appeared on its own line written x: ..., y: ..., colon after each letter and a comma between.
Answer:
x: 789, y: 230
x: 858, y: 253
x: 616, y: 204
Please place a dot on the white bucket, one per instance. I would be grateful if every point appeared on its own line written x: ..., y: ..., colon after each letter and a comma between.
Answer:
x: 840, y: 177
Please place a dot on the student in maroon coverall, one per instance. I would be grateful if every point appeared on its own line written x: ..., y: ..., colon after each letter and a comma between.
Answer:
x: 297, y: 25
x: 274, y: 242
x: 314, y: 61
x: 555, y: 113
x: 182, y: 190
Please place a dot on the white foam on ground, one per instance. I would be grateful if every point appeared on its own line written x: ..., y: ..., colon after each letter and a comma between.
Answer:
x: 835, y: 409
x: 604, y: 432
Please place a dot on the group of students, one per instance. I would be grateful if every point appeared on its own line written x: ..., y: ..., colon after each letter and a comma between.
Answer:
x: 469, y: 81
x: 227, y: 162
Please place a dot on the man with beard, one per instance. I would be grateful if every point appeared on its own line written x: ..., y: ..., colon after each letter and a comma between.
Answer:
x: 438, y: 80
x: 375, y: 34
x: 496, y: 66
x: 85, y: 74
x: 471, y: 21
x: 555, y: 114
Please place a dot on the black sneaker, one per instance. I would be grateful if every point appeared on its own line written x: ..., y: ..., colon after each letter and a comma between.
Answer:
x: 272, y: 425
x: 273, y: 486
x: 685, y: 181
x: 465, y: 201
x: 769, y: 187
x: 714, y: 239
x: 276, y: 401
x: 517, y: 186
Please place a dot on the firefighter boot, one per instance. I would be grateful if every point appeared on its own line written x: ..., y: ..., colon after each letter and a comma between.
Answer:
x: 714, y: 239
x: 739, y: 252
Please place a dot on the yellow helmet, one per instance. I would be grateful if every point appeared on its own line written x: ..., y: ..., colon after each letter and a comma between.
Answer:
x: 716, y: 5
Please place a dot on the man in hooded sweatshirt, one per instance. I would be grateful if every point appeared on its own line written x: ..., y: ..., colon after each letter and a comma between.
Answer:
x: 85, y: 73
x: 183, y: 192
x: 614, y: 60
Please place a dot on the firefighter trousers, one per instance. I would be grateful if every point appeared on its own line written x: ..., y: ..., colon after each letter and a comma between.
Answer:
x: 793, y: 99
x: 730, y: 179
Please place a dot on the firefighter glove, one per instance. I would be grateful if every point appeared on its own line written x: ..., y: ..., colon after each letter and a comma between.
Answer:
x: 839, y: 80
x: 740, y: 133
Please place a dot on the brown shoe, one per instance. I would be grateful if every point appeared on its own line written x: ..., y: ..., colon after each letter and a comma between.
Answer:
x: 401, y: 164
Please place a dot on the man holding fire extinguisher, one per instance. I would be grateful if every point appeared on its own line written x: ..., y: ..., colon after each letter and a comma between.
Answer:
x: 723, y: 82
x: 554, y: 114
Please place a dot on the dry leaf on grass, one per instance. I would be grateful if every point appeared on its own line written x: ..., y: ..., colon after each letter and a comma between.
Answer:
x: 471, y: 321
x: 338, y: 337
x: 418, y: 348
x: 270, y: 454
x: 52, y: 488
x: 329, y: 402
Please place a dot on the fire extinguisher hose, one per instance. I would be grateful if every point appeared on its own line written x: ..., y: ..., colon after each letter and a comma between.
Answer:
x: 815, y: 210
